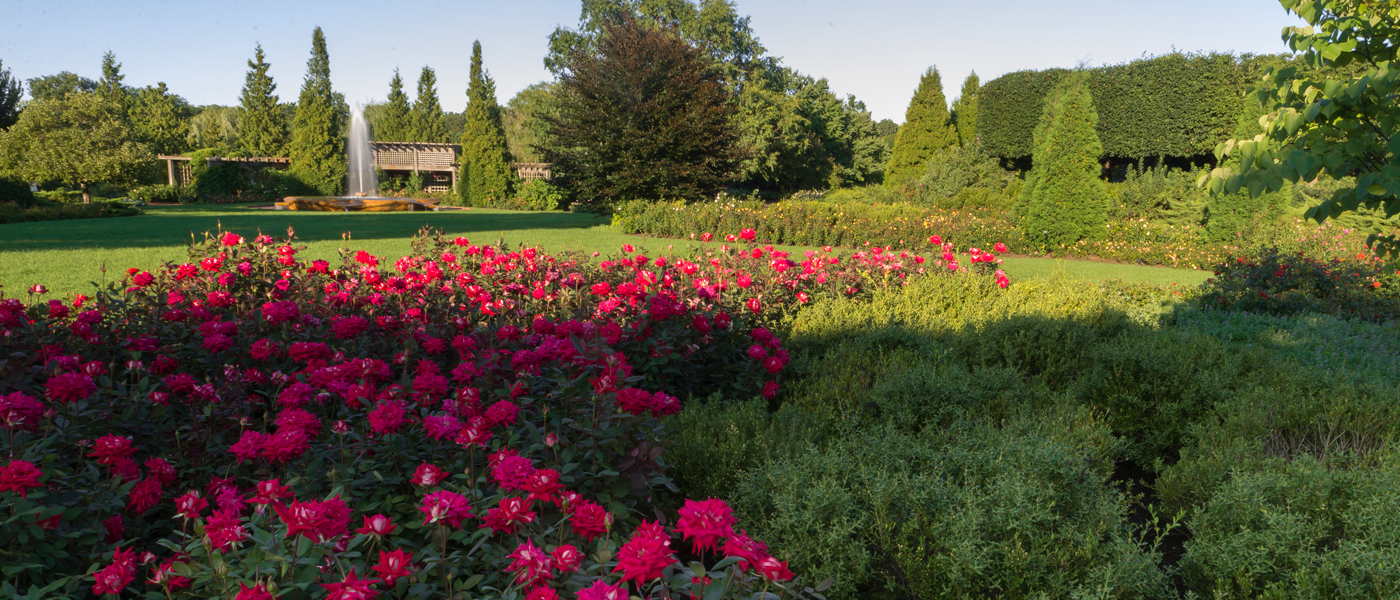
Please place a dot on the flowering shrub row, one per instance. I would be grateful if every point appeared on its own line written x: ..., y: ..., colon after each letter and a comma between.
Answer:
x: 1276, y: 283
x: 1140, y: 241
x: 215, y: 428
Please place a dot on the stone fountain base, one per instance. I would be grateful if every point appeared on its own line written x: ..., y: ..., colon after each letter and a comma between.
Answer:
x: 356, y: 204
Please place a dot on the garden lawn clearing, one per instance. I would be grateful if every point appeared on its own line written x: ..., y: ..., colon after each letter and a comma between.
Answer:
x: 67, y: 256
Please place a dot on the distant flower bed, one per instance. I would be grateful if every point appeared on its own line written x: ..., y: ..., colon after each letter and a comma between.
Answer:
x: 476, y: 419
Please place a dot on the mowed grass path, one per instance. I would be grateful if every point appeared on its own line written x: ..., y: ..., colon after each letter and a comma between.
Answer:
x: 67, y: 256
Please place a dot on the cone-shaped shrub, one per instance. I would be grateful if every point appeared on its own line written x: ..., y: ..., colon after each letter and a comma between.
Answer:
x: 1063, y: 199
x: 927, y: 129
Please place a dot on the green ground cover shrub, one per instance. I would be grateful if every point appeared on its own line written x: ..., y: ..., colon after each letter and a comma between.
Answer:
x: 1018, y: 510
x: 1299, y: 528
x: 717, y: 442
x: 963, y: 177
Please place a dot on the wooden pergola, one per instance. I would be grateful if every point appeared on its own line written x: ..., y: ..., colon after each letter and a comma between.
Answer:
x: 179, y: 171
x: 417, y: 157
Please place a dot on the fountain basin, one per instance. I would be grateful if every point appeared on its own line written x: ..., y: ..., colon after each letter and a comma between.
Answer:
x: 356, y: 204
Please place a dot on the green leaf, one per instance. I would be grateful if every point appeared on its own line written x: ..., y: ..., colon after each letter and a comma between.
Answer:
x: 470, y: 582
x: 1377, y: 189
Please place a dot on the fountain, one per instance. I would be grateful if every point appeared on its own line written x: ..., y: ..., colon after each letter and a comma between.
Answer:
x: 361, y: 185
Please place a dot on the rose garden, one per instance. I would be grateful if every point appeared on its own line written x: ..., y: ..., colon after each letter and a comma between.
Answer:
x: 1007, y: 350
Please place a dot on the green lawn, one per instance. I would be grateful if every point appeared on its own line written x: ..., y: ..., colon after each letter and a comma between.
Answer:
x: 66, y: 256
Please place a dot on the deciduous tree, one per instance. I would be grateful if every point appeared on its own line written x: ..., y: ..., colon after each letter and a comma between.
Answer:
x: 58, y: 85
x: 318, y: 148
x: 79, y: 140
x: 927, y: 129
x: 1341, y: 125
x: 646, y: 116
x: 262, y: 124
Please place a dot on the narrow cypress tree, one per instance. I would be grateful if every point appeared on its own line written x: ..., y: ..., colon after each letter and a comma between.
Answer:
x: 428, y: 125
x: 1064, y: 200
x: 965, y: 110
x: 318, y: 148
x: 393, y: 127
x: 927, y: 129
x: 485, y: 171
x: 262, y: 127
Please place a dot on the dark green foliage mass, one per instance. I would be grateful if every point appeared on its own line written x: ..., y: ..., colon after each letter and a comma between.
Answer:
x: 262, y: 126
x: 318, y: 146
x: 927, y: 129
x: 485, y: 171
x: 645, y: 117
x: 426, y: 115
x: 1063, y: 199
x: 1177, y: 105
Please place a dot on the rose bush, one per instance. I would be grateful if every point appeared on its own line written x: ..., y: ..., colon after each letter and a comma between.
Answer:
x: 490, y: 417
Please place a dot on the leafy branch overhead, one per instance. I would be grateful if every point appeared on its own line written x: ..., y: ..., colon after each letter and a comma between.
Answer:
x: 1344, y: 122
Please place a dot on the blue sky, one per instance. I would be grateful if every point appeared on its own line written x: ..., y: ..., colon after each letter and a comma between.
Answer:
x: 875, y: 50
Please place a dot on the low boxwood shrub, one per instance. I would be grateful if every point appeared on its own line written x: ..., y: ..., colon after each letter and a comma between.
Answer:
x: 1299, y: 528
x: 718, y: 442
x: 165, y: 194
x: 1023, y: 510
x: 1284, y: 412
x: 12, y: 213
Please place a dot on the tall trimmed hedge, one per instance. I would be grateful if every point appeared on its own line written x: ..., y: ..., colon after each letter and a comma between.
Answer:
x: 1177, y: 105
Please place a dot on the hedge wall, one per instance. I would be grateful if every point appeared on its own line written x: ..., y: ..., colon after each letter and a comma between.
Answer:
x: 1173, y: 105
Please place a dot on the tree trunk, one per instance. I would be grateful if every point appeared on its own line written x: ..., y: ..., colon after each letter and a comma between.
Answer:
x: 87, y: 198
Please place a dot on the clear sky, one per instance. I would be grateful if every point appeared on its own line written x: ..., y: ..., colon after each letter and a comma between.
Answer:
x: 875, y: 50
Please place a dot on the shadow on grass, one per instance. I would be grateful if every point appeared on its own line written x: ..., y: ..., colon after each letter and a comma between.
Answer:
x: 172, y: 226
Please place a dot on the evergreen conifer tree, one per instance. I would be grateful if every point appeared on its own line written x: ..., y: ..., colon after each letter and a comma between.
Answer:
x: 318, y: 148
x: 1063, y: 199
x: 111, y: 86
x: 428, y: 125
x: 485, y: 171
x: 965, y: 110
x: 393, y: 126
x: 262, y: 128
x: 10, y: 93
x: 927, y: 129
